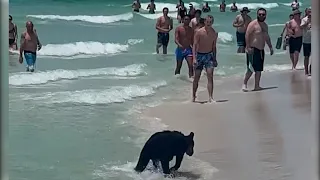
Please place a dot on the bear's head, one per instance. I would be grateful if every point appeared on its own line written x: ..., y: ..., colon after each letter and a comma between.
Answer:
x: 190, y: 143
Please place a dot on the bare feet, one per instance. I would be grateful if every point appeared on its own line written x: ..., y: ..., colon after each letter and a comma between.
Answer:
x: 210, y: 100
x: 194, y: 98
x: 244, y: 88
x: 257, y: 88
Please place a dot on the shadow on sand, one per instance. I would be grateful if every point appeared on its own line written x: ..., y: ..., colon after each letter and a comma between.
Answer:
x: 216, y: 101
x: 262, y: 89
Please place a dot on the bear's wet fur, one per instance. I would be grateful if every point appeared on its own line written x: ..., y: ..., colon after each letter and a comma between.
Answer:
x: 162, y: 147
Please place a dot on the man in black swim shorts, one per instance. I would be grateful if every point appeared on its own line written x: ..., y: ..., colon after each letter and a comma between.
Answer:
x: 256, y: 37
x: 295, y: 40
x: 164, y: 26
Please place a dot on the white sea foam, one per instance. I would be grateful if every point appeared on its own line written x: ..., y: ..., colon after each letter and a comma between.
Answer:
x: 42, y: 77
x: 91, y: 19
x: 225, y: 37
x: 170, y: 6
x: 86, y: 48
x: 275, y: 25
x: 157, y: 15
x: 115, y: 94
x: 115, y: 170
x: 254, y: 5
x: 289, y: 4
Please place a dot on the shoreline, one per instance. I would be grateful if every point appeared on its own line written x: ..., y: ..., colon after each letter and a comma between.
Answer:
x: 247, y: 136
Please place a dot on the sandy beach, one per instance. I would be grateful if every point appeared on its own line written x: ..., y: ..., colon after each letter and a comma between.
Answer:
x: 250, y: 136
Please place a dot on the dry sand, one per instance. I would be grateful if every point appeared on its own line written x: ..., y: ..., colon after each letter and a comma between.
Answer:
x: 254, y: 135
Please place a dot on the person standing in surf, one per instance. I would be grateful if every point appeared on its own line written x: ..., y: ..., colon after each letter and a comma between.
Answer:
x: 192, y: 11
x: 234, y: 7
x: 306, y: 28
x: 257, y: 36
x: 295, y: 40
x: 241, y: 23
x: 223, y: 6
x: 136, y: 5
x: 196, y: 19
x: 285, y: 30
x: 204, y: 56
x: 295, y: 5
x: 29, y: 44
x: 206, y: 8
x: 151, y: 7
x: 182, y: 11
x: 184, y: 41
x: 13, y: 34
x: 164, y: 25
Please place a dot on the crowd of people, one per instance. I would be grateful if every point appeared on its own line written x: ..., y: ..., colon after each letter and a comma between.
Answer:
x: 196, y: 40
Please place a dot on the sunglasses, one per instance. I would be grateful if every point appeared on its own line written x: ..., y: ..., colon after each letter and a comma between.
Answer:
x: 261, y: 14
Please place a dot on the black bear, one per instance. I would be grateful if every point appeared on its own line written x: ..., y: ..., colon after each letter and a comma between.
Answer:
x: 163, y: 146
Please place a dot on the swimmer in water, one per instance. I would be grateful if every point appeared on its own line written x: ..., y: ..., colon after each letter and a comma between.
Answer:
x: 234, y: 7
x: 182, y: 12
x: 136, y: 5
x: 151, y: 7
x: 13, y: 34
x: 206, y: 8
x: 223, y: 6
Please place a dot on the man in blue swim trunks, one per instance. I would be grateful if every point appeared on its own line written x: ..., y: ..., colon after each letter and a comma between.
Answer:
x: 29, y: 44
x: 184, y: 41
x: 241, y: 23
x: 164, y: 26
x: 204, y: 55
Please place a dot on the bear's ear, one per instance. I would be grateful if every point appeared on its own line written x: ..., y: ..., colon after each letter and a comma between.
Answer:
x: 191, y: 135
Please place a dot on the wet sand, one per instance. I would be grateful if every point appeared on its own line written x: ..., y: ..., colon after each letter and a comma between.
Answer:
x: 260, y: 135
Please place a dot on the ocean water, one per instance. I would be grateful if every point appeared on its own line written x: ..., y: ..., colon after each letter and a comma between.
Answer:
x: 78, y: 116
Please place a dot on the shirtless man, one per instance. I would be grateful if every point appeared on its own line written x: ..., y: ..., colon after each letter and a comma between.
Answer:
x: 206, y: 8
x: 29, y: 44
x: 184, y: 41
x: 164, y: 26
x: 204, y: 55
x: 223, y: 6
x: 285, y: 30
x: 192, y: 11
x: 295, y: 40
x: 151, y: 7
x: 295, y: 5
x: 234, y: 7
x: 136, y: 5
x: 306, y: 28
x: 13, y: 34
x: 256, y: 37
x: 241, y: 23
x: 196, y: 19
x: 199, y: 25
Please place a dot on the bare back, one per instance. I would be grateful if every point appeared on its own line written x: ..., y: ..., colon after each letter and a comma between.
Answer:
x: 206, y: 39
x: 257, y: 33
x: 12, y: 30
x: 29, y: 41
